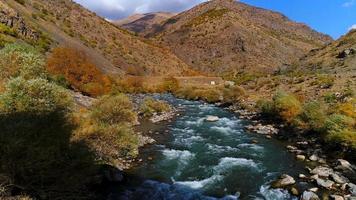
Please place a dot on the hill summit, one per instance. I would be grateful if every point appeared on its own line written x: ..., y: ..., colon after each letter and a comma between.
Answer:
x: 221, y: 36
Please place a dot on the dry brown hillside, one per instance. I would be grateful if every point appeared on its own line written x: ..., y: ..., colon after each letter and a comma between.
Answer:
x: 113, y: 49
x: 224, y: 35
x: 338, y: 57
x: 140, y: 23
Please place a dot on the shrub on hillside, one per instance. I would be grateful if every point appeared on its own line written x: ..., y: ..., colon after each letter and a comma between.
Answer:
x: 151, y: 106
x: 21, y: 60
x: 131, y: 84
x: 114, y: 110
x: 266, y: 108
x: 343, y: 137
x: 36, y: 152
x: 234, y: 94
x: 324, y: 81
x: 338, y: 122
x: 287, y: 106
x: 108, y: 128
x: 36, y: 96
x: 313, y: 116
x: 79, y: 71
x: 170, y: 84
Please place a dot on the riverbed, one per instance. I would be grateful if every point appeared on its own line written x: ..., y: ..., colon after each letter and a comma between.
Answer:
x: 197, y: 159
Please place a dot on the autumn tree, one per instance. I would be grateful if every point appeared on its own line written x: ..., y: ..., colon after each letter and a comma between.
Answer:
x: 79, y: 71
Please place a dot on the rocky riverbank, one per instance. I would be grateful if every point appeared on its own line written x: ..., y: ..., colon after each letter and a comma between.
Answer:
x: 332, y: 177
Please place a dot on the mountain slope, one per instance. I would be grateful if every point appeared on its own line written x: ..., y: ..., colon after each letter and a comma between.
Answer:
x: 114, y: 50
x: 224, y: 35
x: 337, y: 57
x: 140, y: 23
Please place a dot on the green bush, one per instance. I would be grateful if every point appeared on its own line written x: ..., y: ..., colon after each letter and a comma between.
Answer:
x: 266, y: 107
x: 324, y: 81
x: 151, y: 106
x: 21, y: 60
x: 108, y: 129
x: 287, y: 106
x: 114, y: 110
x: 233, y: 94
x: 338, y: 122
x: 35, y: 96
x: 343, y: 137
x: 314, y: 116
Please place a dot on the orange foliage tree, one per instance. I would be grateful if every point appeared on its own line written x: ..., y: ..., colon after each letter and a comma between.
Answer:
x: 79, y: 71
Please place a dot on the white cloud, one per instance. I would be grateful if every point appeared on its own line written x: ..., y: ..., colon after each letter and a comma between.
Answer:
x: 353, y: 27
x: 115, y: 9
x: 348, y: 3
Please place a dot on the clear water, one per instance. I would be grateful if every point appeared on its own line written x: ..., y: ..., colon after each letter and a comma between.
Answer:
x: 212, y: 160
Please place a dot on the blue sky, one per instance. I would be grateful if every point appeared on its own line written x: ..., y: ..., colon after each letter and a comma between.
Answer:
x: 333, y: 17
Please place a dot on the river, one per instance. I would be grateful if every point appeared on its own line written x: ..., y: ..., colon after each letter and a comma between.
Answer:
x: 211, y: 160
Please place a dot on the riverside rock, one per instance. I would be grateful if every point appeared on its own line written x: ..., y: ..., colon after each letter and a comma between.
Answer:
x: 301, y: 157
x: 345, y: 165
x: 283, y: 181
x: 307, y: 195
x: 322, y: 171
x: 325, y: 183
x: 338, y: 178
x: 336, y: 197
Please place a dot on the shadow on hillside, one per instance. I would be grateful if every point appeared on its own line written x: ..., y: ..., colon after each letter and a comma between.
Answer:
x: 38, y: 158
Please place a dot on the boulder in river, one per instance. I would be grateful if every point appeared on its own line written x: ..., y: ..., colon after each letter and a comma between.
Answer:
x: 212, y: 119
x: 307, y: 195
x: 352, y: 188
x: 283, y: 181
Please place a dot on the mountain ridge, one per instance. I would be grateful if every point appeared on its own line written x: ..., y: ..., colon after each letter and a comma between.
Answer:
x: 215, y: 35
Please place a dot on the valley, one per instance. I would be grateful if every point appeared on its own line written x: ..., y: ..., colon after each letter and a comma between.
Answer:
x: 223, y: 100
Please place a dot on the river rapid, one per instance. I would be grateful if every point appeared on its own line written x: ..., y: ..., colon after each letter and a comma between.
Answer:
x: 210, y: 160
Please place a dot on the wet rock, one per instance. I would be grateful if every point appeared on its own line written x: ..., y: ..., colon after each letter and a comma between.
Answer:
x: 301, y: 157
x: 313, y: 157
x: 325, y: 183
x: 294, y: 191
x: 338, y: 178
x: 290, y: 147
x: 352, y: 188
x: 344, y: 165
x: 212, y: 119
x: 307, y: 195
x: 322, y: 171
x: 314, y: 189
x: 302, y: 176
x: 336, y: 197
x: 283, y: 181
x: 262, y: 129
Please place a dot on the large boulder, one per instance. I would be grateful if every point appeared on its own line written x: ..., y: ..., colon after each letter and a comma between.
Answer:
x: 284, y: 181
x: 307, y: 195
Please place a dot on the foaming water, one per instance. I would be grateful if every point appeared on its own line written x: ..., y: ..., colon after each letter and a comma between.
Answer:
x: 211, y: 160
